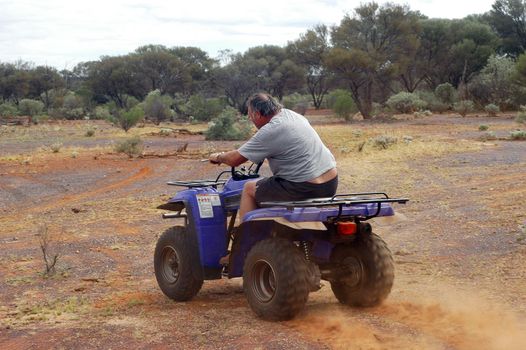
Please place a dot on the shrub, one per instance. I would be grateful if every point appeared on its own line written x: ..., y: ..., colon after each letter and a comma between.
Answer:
x: 296, y: 102
x: 518, y: 135
x: 47, y: 245
x: 464, y: 107
x: 55, y: 147
x: 425, y: 113
x: 131, y: 147
x: 157, y: 106
x: 30, y: 107
x: 54, y: 98
x: 228, y: 127
x: 446, y: 93
x: 8, y: 109
x: 341, y: 102
x: 72, y: 107
x: 129, y: 102
x: 101, y: 112
x: 492, y: 109
x: 488, y: 135
x: 203, y: 109
x: 521, y: 117
x: 405, y: 102
x: 384, y: 141
x: 483, y: 127
x: 128, y: 119
x: 432, y: 102
x: 90, y: 132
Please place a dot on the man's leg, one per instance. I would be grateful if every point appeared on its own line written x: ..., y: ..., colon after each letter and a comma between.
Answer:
x: 248, y: 199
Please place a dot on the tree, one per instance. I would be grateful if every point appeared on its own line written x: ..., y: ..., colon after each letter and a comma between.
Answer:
x: 370, y: 47
x: 274, y: 72
x: 115, y: 78
x: 473, y: 44
x: 494, y: 83
x: 239, y: 80
x: 199, y: 67
x: 433, y: 53
x: 309, y: 52
x: 508, y: 18
x: 157, y: 106
x: 41, y: 80
x: 159, y: 69
x: 15, y: 80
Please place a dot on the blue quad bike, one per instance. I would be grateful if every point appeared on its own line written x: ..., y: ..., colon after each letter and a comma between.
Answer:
x: 282, y: 250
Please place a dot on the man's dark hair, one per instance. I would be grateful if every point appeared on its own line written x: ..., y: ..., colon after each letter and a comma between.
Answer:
x: 265, y: 104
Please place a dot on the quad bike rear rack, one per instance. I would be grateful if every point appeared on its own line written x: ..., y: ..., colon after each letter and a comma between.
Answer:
x: 340, y: 201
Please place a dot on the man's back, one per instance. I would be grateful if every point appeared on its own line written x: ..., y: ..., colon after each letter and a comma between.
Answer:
x: 293, y: 148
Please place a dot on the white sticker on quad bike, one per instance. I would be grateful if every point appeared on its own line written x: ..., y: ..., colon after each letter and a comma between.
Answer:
x: 214, y: 199
x: 205, y: 206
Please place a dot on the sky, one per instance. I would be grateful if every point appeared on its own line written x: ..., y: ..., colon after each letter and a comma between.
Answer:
x: 62, y: 33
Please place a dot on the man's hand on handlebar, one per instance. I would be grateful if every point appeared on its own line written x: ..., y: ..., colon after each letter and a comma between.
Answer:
x: 232, y: 158
x: 215, y: 158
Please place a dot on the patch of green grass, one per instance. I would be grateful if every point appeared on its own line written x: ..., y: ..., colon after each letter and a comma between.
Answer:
x: 135, y: 302
x: 518, y: 135
x: 19, y: 280
x: 71, y: 308
x: 488, y: 136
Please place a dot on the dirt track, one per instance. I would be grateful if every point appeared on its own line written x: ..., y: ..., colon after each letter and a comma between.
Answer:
x: 460, y: 271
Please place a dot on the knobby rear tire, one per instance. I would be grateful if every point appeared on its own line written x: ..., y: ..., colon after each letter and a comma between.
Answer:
x: 370, y: 256
x: 275, y: 279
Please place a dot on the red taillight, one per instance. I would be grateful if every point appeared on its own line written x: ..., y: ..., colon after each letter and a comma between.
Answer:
x: 346, y: 228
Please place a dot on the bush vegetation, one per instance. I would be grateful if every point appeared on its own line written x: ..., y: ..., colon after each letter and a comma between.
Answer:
x: 200, y: 108
x: 406, y: 102
x: 492, y: 109
x: 464, y: 107
x: 518, y: 135
x: 128, y: 119
x: 384, y: 141
x: 157, y: 107
x: 229, y: 126
x: 8, y: 109
x: 446, y: 94
x: 296, y: 102
x: 341, y: 102
x: 30, y: 107
x: 132, y: 146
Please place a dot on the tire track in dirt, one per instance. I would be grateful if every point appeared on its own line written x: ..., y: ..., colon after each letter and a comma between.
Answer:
x: 73, y: 198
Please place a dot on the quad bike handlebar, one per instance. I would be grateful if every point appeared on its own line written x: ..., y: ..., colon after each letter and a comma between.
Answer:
x: 236, y: 174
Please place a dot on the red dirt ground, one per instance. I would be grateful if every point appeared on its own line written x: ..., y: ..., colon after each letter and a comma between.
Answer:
x: 460, y: 252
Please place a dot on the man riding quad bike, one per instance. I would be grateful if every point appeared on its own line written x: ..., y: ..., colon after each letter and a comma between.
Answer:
x: 294, y: 231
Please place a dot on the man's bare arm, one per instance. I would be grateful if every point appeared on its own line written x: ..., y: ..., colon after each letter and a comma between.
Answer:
x: 232, y: 158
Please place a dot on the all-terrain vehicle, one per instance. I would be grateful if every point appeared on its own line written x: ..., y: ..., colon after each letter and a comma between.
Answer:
x: 282, y: 250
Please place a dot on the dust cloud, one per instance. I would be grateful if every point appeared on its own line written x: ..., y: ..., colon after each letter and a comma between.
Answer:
x: 448, y: 321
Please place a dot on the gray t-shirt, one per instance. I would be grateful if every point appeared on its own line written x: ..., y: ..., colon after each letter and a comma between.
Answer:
x: 294, y: 150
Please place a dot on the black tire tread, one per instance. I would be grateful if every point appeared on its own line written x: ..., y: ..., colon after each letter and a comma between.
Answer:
x: 379, y: 266
x: 187, y: 285
x: 290, y: 269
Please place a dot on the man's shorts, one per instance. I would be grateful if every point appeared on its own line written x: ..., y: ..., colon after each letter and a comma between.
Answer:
x: 277, y: 189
